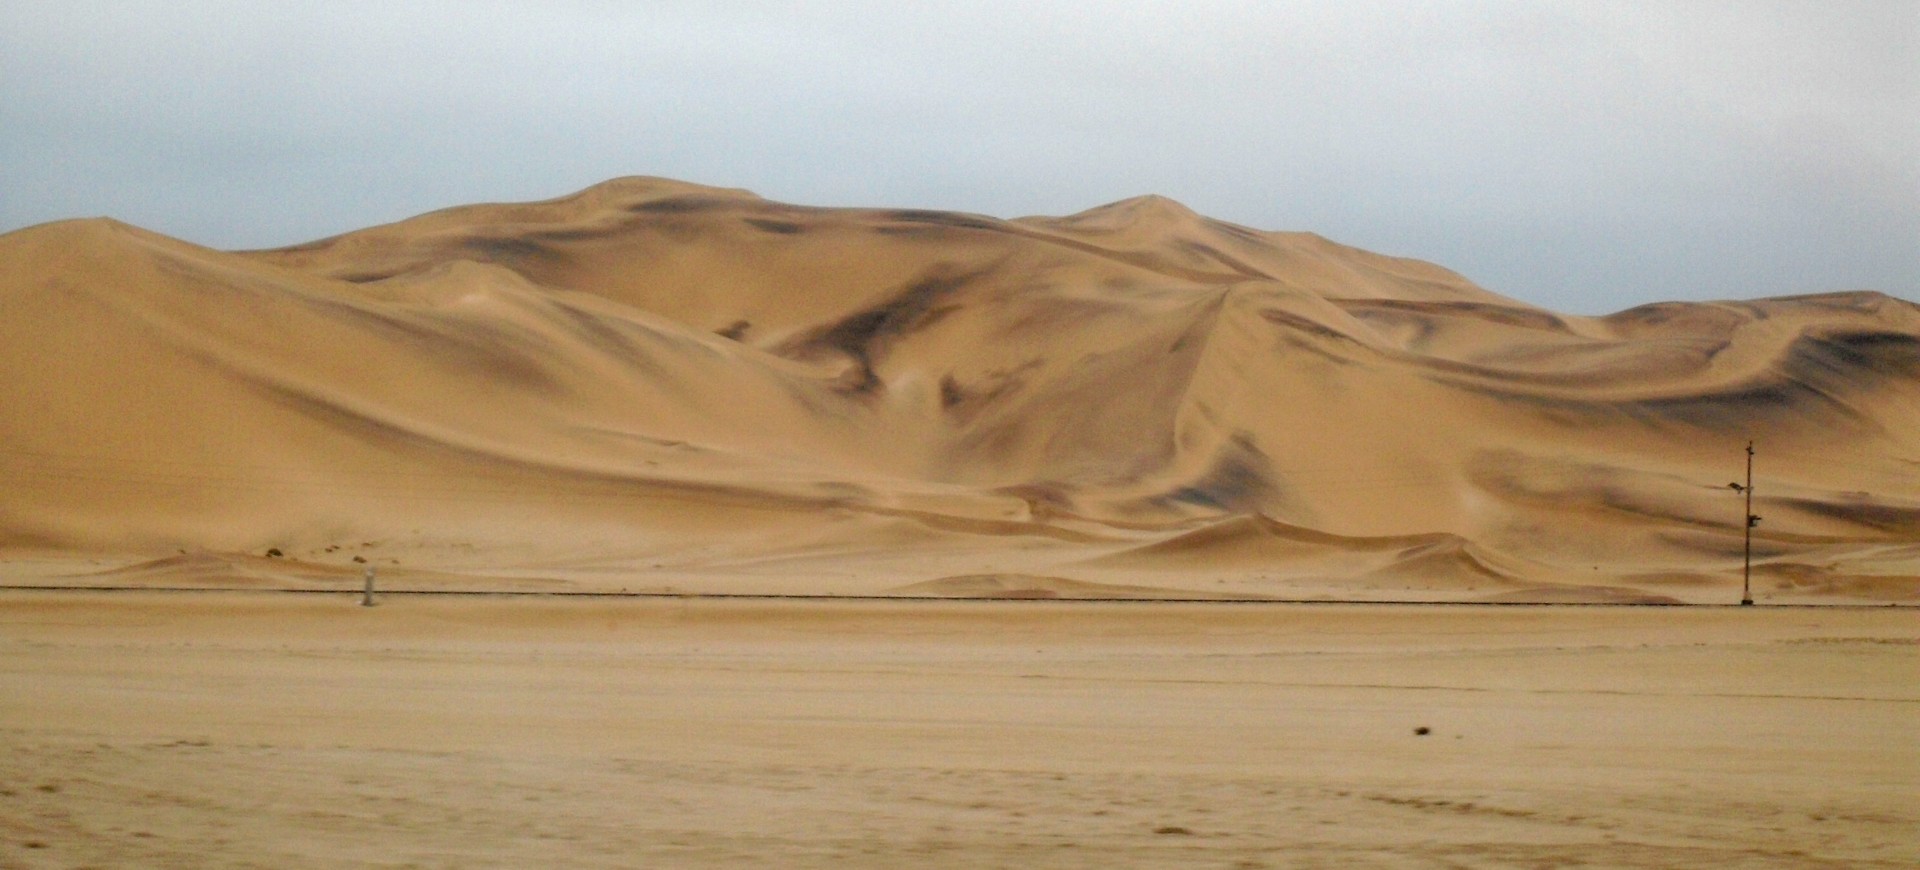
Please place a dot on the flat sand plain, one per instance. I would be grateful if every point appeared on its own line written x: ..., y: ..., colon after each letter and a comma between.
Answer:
x: 264, y: 729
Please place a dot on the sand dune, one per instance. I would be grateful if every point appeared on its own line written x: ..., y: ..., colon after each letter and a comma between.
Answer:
x: 653, y: 383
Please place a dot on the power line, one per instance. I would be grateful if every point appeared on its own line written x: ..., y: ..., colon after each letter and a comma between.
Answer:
x: 1746, y: 571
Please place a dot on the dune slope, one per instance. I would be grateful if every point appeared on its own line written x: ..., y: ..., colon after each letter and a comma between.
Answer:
x: 651, y: 372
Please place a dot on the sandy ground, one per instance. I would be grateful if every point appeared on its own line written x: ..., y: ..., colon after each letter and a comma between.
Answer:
x: 242, y: 729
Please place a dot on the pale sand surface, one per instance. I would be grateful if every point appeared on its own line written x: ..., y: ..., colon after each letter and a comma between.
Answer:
x: 145, y: 729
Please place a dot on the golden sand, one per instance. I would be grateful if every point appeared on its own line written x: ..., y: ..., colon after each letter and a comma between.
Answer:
x: 258, y: 729
x: 655, y: 384
x: 658, y: 388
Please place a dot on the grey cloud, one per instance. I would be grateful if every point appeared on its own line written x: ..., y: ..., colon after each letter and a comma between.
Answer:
x: 1586, y: 157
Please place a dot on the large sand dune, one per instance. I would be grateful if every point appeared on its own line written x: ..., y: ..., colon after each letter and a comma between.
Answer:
x: 652, y: 385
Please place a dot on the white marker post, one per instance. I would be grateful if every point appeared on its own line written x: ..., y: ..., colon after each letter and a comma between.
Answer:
x: 366, y: 593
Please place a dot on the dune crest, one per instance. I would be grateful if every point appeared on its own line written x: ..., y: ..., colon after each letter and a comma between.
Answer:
x: 649, y: 372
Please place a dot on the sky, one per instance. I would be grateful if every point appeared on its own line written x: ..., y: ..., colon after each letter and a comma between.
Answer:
x: 1582, y: 156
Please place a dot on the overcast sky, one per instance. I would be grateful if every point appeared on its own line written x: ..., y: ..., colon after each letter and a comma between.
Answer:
x: 1583, y: 156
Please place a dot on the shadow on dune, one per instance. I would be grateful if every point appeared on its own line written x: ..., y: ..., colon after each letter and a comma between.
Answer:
x: 655, y: 367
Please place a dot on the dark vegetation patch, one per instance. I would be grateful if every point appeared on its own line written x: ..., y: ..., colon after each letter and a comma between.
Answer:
x: 1712, y: 410
x: 787, y: 228
x: 366, y: 277
x: 1241, y: 479
x: 507, y: 249
x: 1733, y: 410
x: 523, y: 255
x: 680, y: 205
x: 1739, y: 409
x: 863, y: 334
x: 1886, y: 518
x: 907, y: 230
x: 734, y: 331
x: 1849, y: 358
x: 1878, y: 345
x: 966, y: 400
x: 680, y: 231
x: 571, y: 234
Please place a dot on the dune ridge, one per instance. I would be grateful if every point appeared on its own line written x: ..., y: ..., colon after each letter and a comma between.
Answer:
x: 654, y: 373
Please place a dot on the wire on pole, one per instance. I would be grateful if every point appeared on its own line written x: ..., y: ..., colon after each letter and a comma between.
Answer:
x: 1746, y: 565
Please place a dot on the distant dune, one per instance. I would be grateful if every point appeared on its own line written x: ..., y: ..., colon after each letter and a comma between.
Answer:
x: 653, y: 384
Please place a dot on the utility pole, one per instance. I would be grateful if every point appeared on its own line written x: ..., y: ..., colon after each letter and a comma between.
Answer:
x: 1746, y: 569
x: 366, y: 591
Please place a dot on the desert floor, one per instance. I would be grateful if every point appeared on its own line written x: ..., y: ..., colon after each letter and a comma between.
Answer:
x: 229, y: 729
